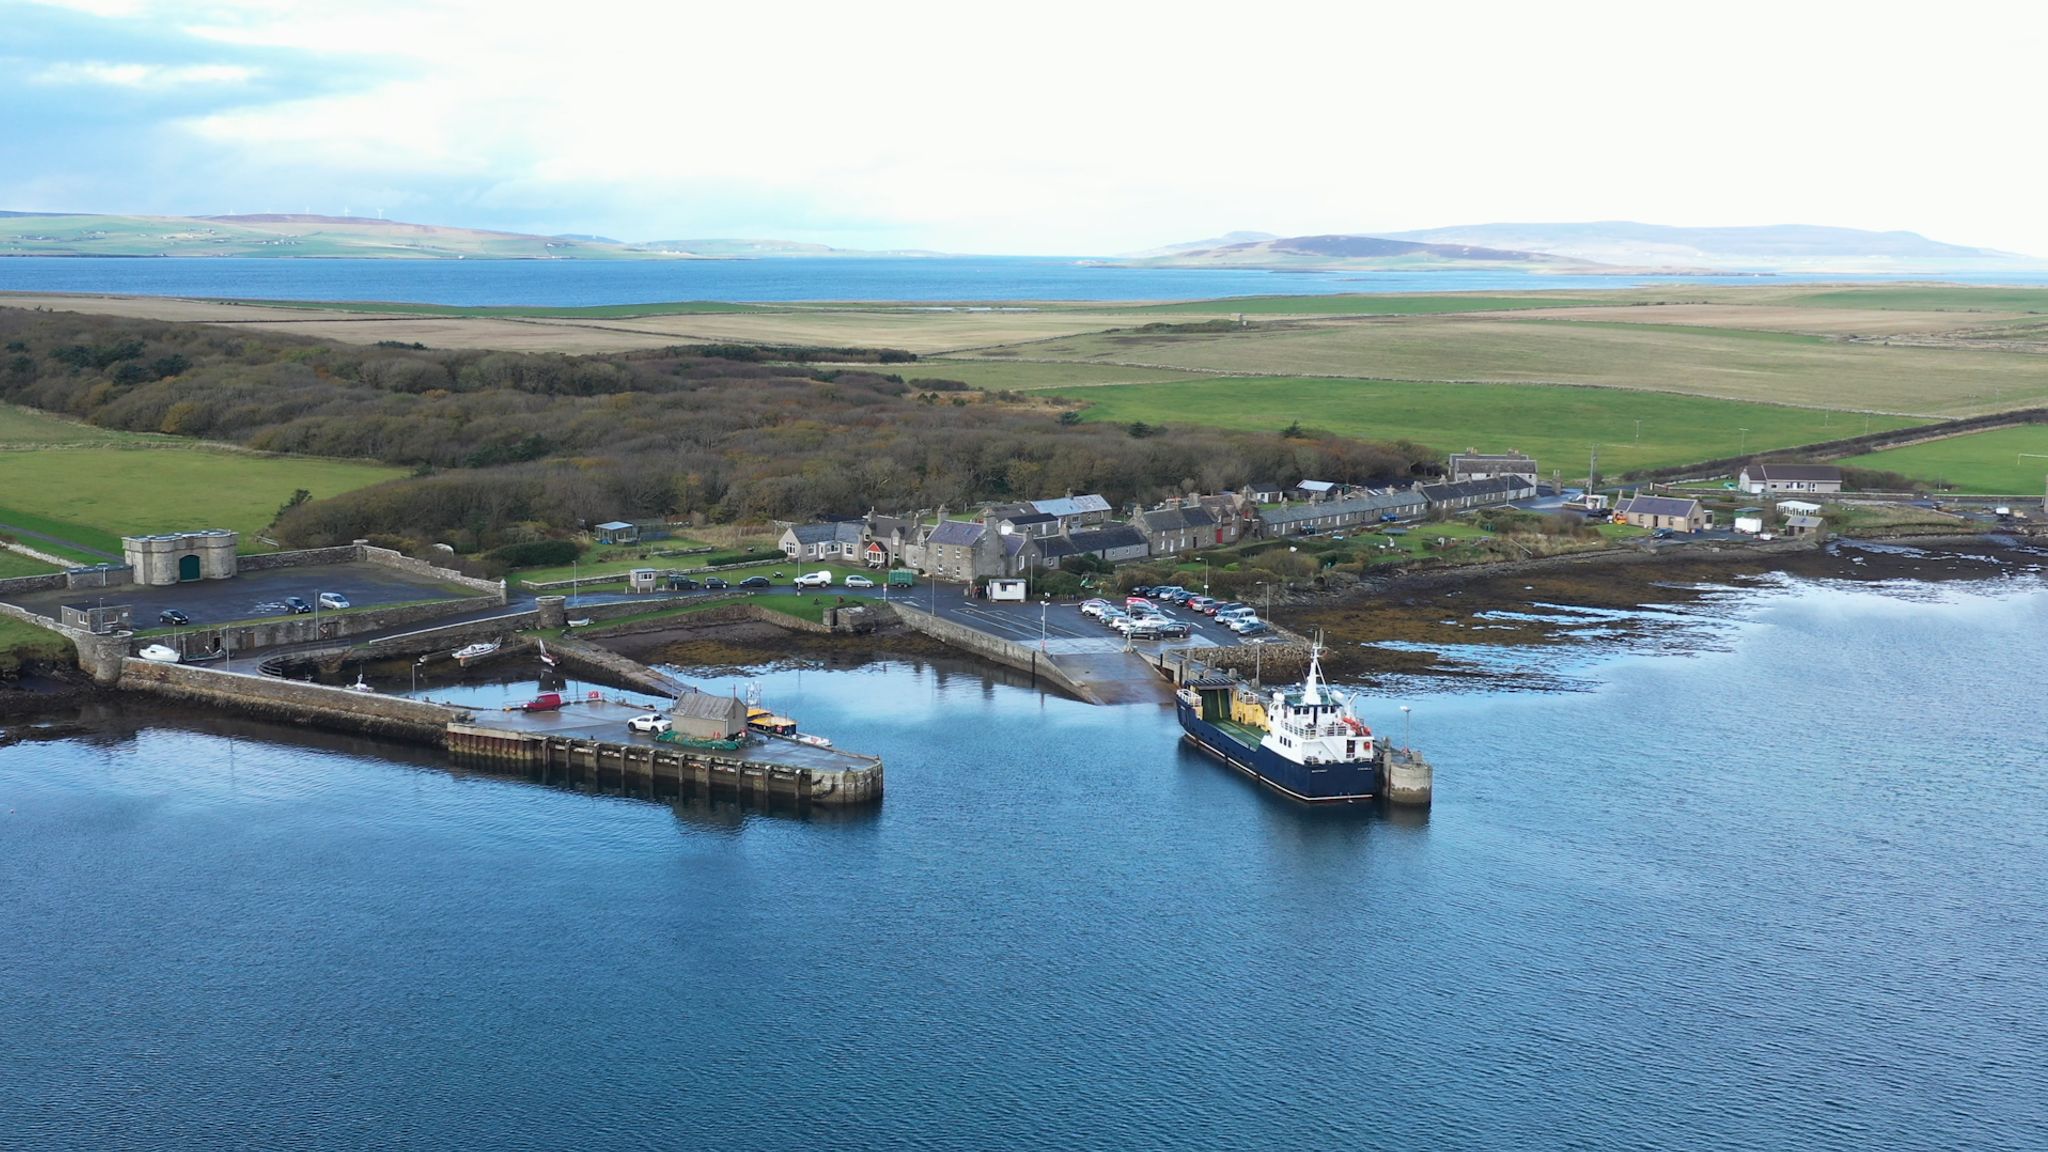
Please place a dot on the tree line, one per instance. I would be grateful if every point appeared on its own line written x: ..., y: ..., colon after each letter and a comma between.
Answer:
x: 508, y: 446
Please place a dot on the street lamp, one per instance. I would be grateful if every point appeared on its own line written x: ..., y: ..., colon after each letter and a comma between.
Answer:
x: 1042, y: 606
x: 1405, y: 745
x: 416, y: 673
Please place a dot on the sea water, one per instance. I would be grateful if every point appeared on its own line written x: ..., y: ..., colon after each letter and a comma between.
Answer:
x: 1783, y: 890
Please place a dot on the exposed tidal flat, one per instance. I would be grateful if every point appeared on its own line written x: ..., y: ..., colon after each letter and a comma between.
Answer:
x: 1771, y: 883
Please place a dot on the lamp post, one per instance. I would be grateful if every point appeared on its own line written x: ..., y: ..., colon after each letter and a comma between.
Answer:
x: 1405, y: 745
x: 575, y: 576
x: 416, y: 673
x: 1043, y: 604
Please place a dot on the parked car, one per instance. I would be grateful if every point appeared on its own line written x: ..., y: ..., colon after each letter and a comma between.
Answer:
x: 1159, y: 629
x: 1094, y: 608
x: 756, y: 582
x: 1246, y: 626
x: 858, y: 581
x: 819, y: 579
x: 1388, y: 518
x: 1178, y: 596
x: 1110, y: 617
x: 174, y: 617
x: 1661, y: 534
x: 1141, y: 590
x: 1201, y: 604
x: 296, y: 605
x: 682, y: 584
x: 716, y: 584
x: 333, y: 600
x: 1230, y: 615
x: 1230, y: 605
x: 1163, y: 591
x: 652, y: 723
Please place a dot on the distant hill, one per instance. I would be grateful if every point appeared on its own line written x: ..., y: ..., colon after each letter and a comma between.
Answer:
x: 284, y: 235
x: 1223, y: 241
x: 280, y: 234
x: 1344, y: 251
x: 1772, y: 247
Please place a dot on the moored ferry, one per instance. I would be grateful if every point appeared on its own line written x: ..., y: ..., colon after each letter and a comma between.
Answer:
x: 1306, y: 741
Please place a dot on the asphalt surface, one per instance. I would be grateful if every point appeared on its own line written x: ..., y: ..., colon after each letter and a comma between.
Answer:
x: 250, y: 596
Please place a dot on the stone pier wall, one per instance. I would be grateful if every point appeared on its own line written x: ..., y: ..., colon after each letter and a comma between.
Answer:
x: 1004, y: 652
x: 293, y: 701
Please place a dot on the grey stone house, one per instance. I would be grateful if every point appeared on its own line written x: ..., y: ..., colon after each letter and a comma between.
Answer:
x: 1172, y: 528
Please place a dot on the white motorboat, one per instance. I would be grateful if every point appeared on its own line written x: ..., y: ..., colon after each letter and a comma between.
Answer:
x: 161, y: 653
x: 470, y: 652
x: 544, y: 657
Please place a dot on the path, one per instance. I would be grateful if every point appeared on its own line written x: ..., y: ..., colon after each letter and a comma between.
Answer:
x: 46, y: 538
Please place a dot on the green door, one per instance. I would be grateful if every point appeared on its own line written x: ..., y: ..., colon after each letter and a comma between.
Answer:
x: 188, y: 567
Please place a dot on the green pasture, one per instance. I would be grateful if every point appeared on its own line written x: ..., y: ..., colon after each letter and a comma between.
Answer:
x: 23, y: 426
x: 20, y: 640
x: 1928, y: 298
x: 14, y: 564
x: 1558, y: 425
x: 1371, y: 305
x: 590, y: 312
x: 94, y: 496
x: 1027, y: 376
x: 2001, y: 461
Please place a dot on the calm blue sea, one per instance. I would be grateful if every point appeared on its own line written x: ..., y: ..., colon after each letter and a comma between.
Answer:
x: 572, y: 283
x: 1776, y: 885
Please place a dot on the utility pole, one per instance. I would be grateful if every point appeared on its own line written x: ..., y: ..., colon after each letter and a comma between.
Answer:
x: 1744, y: 449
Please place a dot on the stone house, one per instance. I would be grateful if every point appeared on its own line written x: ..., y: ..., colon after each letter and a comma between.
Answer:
x: 843, y: 541
x: 1757, y: 479
x: 949, y: 549
x: 1182, y: 527
x: 1461, y: 494
x: 1336, y: 515
x: 1672, y: 512
x: 1471, y: 465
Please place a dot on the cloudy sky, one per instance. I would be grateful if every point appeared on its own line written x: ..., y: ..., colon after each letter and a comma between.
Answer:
x: 1033, y: 128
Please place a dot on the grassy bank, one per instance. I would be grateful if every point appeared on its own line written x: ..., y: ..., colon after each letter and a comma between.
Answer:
x: 2003, y: 461
x: 21, y: 642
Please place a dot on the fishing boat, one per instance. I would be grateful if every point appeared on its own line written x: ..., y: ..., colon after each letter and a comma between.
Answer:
x: 1307, y: 741
x: 477, y: 651
x: 762, y: 720
x: 160, y: 653
x: 544, y: 657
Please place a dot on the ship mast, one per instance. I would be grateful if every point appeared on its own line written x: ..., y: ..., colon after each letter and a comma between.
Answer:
x: 1311, y: 688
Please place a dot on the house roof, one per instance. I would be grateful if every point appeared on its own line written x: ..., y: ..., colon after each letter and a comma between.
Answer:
x: 815, y: 533
x: 1796, y: 472
x: 1109, y: 537
x: 1013, y: 544
x: 849, y: 531
x: 1657, y: 506
x: 1802, y: 521
x: 1028, y: 518
x: 1071, y: 505
x: 1176, y: 519
x: 965, y: 532
x: 613, y: 526
x: 705, y: 706
x: 1505, y: 486
x: 1373, y: 503
x: 1053, y: 549
x: 1513, y: 459
x: 1315, y: 485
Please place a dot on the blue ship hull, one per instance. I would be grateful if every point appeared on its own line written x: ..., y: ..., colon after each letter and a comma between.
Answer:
x: 1314, y: 783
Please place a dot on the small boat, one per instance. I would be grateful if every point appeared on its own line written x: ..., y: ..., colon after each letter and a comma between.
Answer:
x: 160, y: 653
x: 544, y: 657
x: 762, y: 720
x: 583, y: 622
x: 361, y: 685
x: 814, y: 741
x: 470, y: 652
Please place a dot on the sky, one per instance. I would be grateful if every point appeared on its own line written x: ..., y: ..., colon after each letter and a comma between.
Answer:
x: 1044, y: 128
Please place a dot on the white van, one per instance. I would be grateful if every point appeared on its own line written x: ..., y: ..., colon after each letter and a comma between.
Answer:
x: 333, y: 600
x: 820, y: 579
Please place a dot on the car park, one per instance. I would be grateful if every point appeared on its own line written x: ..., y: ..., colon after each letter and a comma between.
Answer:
x: 756, y: 582
x: 296, y: 605
x: 651, y: 723
x: 173, y: 617
x: 819, y: 579
x: 334, y: 600
x: 716, y: 584
x: 859, y: 581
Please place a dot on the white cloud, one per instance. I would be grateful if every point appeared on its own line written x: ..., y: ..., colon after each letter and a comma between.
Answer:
x: 143, y: 75
x: 1069, y: 128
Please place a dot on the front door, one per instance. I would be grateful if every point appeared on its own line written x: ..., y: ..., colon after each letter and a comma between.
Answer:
x: 188, y: 567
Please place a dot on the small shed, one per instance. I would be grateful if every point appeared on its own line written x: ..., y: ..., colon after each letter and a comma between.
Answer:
x: 98, y: 619
x: 643, y: 580
x: 1803, y: 525
x: 618, y: 532
x: 1006, y: 590
x: 702, y: 716
x: 1749, y: 520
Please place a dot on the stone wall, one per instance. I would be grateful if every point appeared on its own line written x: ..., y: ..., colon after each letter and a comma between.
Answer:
x: 327, y: 625
x: 404, y: 563
x: 600, y: 664
x: 1004, y: 652
x: 99, y: 656
x: 33, y: 554
x: 295, y: 702
x: 299, y: 559
x: 22, y: 585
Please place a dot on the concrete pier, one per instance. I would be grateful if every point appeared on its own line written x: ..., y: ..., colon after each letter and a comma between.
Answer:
x: 1410, y: 779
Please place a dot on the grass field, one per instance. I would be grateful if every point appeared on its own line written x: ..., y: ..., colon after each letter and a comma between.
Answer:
x: 1983, y: 462
x: 1025, y: 375
x: 110, y: 492
x: 1558, y: 425
x: 23, y: 641
x: 1731, y: 365
x: 14, y: 564
x: 1366, y: 305
x: 22, y: 426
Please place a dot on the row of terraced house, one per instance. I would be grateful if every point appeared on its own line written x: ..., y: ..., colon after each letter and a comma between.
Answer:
x: 1008, y: 540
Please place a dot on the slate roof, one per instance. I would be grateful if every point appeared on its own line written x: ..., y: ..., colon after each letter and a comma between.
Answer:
x: 1505, y: 487
x: 1315, y: 485
x: 963, y: 532
x: 1800, y: 473
x: 1176, y: 519
x: 815, y: 533
x: 1026, y: 519
x: 1657, y: 506
x: 1109, y: 538
x: 1802, y: 521
x: 705, y: 706
x: 1373, y: 505
x: 1071, y: 505
x: 1053, y: 549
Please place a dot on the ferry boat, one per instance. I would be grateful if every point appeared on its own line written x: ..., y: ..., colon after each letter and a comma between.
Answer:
x: 1305, y: 742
